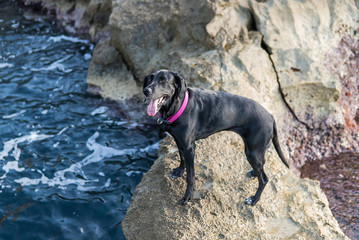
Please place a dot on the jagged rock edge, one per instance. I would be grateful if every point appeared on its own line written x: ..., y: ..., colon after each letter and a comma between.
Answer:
x: 265, y: 47
x: 128, y: 66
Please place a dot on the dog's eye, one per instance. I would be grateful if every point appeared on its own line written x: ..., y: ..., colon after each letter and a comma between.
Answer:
x: 162, y: 79
x: 148, y: 80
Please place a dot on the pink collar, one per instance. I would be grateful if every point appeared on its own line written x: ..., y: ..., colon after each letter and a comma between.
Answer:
x: 174, y: 117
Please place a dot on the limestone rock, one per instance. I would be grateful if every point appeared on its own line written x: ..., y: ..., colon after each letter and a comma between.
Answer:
x: 290, y: 208
x: 299, y: 35
x: 143, y: 30
x: 194, y: 39
x: 110, y: 75
x: 275, y: 52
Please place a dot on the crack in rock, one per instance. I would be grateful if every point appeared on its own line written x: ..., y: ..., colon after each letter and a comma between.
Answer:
x: 265, y: 47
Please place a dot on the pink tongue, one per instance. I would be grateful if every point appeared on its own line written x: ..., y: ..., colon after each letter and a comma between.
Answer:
x: 152, y: 108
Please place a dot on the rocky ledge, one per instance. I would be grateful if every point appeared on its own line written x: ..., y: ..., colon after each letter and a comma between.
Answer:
x: 290, y: 208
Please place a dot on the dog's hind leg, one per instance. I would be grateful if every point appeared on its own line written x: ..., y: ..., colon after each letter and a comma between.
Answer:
x: 256, y: 160
x: 251, y: 173
x: 256, y: 143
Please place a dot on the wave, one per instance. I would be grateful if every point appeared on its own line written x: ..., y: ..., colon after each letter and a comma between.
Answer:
x: 57, y: 65
x: 67, y: 38
x: 6, y: 65
x: 12, y: 145
x: 99, y: 153
x: 14, y: 114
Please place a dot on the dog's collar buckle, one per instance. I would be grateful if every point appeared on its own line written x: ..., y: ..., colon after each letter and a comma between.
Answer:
x: 161, y: 120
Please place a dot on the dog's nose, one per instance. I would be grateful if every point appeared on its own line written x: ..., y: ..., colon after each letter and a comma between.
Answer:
x: 147, y: 91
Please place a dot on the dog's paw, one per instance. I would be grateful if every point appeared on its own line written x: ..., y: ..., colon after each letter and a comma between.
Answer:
x: 251, y: 201
x: 177, y: 172
x: 251, y: 174
x: 187, y: 198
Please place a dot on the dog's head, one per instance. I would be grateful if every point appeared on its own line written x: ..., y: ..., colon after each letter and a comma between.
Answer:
x: 161, y: 88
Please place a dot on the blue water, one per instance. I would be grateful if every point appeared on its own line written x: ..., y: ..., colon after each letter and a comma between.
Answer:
x: 69, y: 162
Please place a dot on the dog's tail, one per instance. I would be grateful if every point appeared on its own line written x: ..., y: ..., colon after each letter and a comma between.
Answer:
x: 276, y: 145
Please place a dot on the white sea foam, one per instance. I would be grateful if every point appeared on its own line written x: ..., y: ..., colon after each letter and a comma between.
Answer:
x: 108, y: 182
x: 62, y: 131
x: 99, y: 152
x: 14, y: 115
x: 5, y: 65
x: 67, y: 38
x: 129, y: 173
x: 150, y: 147
x: 100, y: 110
x: 134, y: 125
x: 57, y: 65
x: 118, y: 123
x: 12, y: 145
x: 15, y: 25
x: 87, y: 56
x: 12, y: 165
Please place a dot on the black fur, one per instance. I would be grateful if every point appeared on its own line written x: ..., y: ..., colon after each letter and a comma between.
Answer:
x: 208, y: 112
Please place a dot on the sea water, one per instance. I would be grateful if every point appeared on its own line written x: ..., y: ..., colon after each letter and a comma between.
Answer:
x: 68, y: 163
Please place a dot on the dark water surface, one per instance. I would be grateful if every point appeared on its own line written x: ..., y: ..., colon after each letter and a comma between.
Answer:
x: 339, y: 178
x: 68, y: 167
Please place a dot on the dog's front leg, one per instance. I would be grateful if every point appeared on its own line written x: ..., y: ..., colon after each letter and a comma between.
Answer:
x: 188, y: 153
x: 178, y: 172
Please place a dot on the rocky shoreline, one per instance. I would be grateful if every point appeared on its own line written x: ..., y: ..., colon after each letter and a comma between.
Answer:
x: 290, y: 207
x: 298, y: 59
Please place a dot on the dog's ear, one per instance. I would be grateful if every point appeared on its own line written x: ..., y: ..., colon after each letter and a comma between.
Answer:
x: 180, y: 85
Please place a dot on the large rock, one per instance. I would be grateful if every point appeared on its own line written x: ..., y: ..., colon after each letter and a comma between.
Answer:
x: 312, y: 45
x: 109, y: 76
x: 290, y: 208
x: 152, y: 33
x: 194, y: 39
x: 299, y: 35
x: 275, y: 52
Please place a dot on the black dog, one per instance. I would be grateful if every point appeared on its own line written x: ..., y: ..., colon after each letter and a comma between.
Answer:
x: 208, y: 112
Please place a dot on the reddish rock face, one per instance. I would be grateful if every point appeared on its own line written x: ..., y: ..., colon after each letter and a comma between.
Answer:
x: 339, y: 179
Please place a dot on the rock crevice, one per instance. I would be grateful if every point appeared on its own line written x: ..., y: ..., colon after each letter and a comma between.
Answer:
x: 265, y: 48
